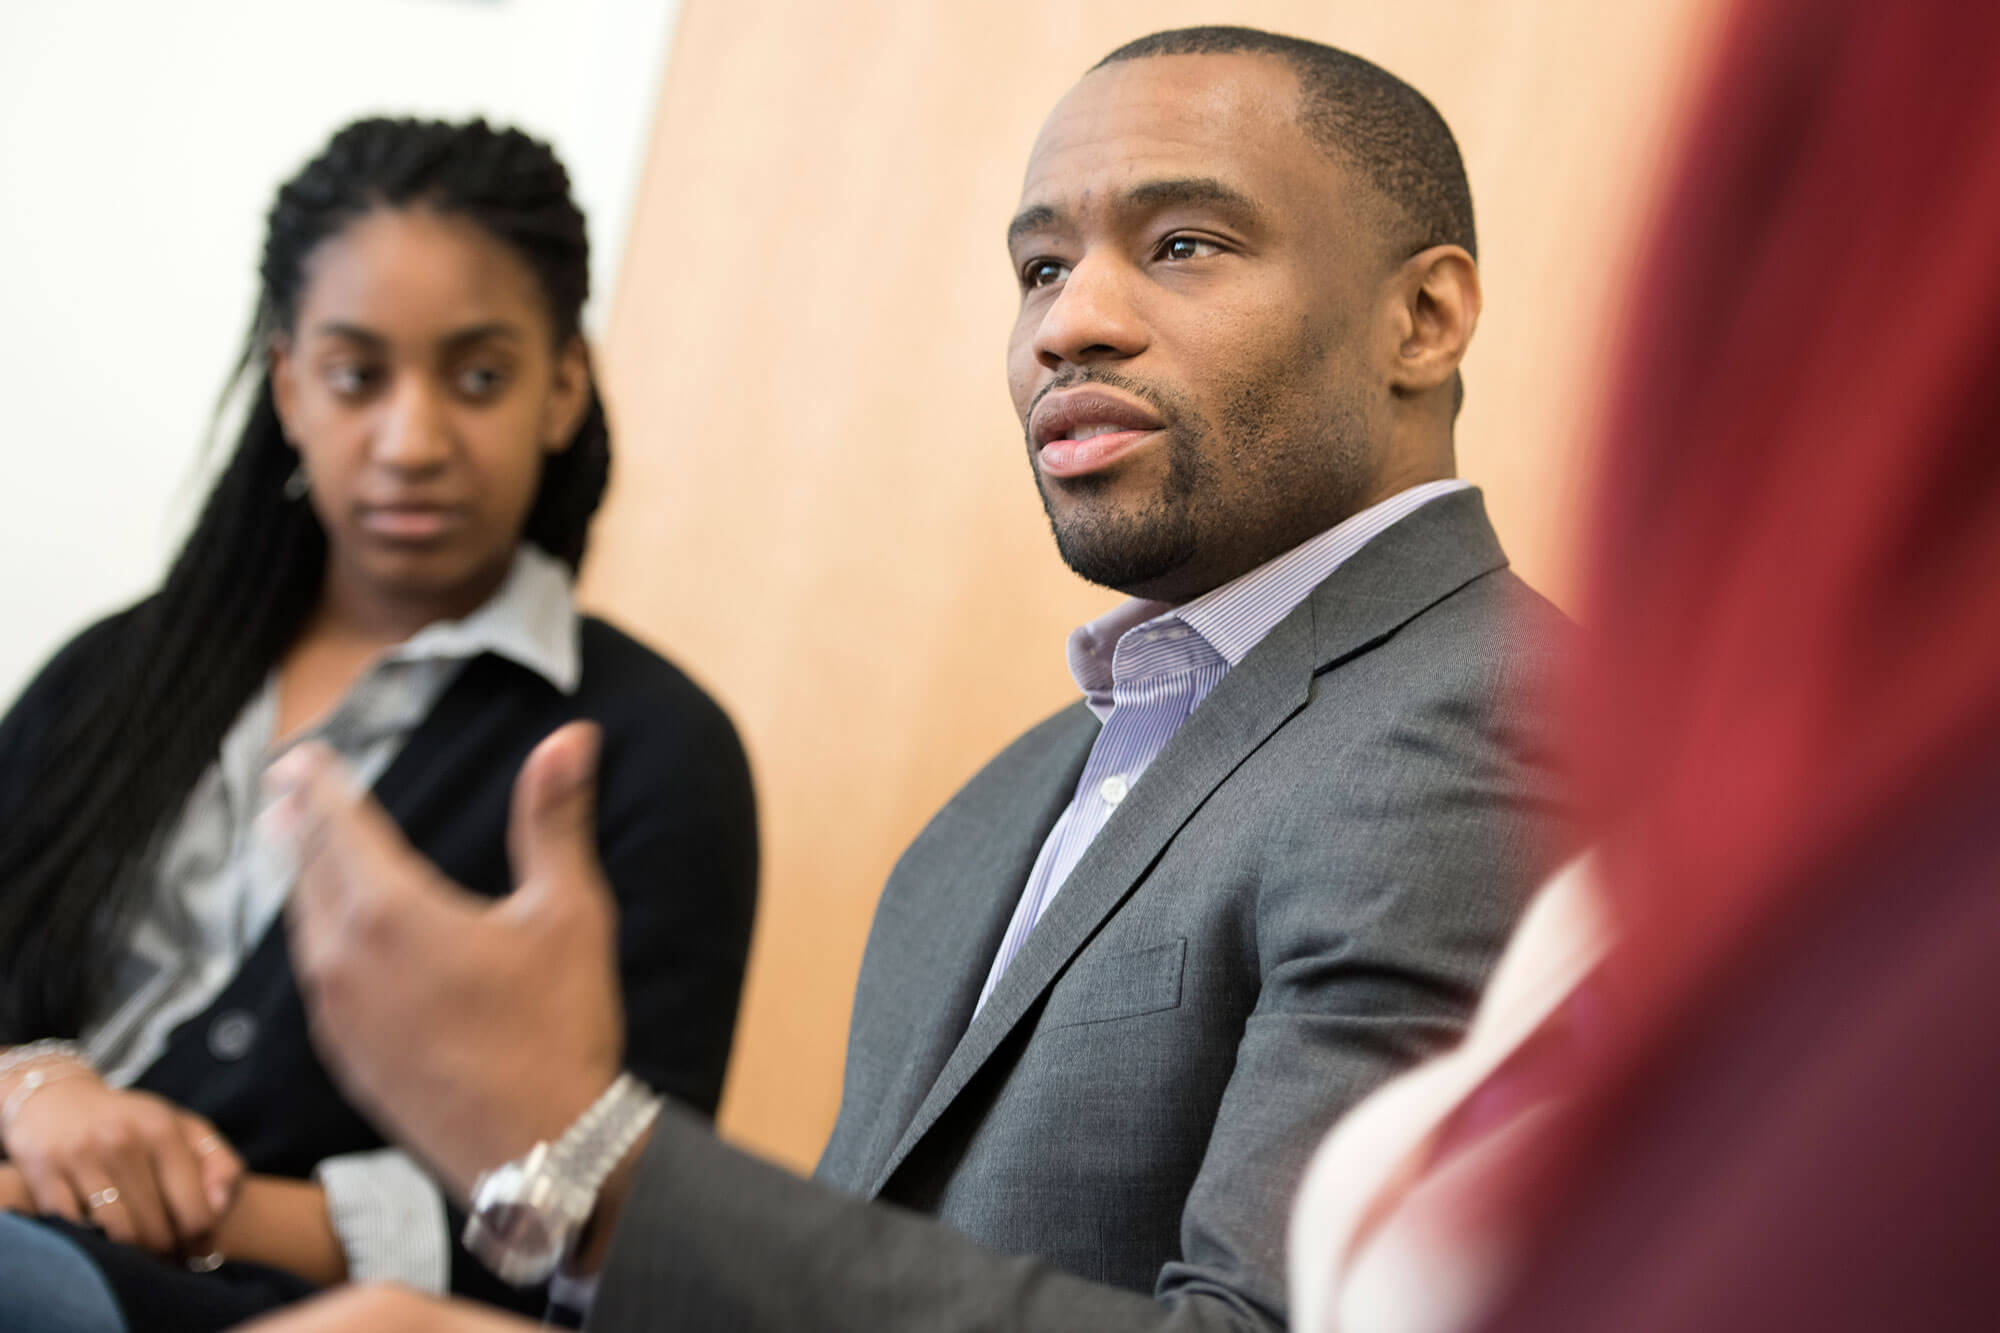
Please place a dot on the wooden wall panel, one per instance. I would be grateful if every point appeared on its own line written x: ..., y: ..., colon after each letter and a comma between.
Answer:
x: 822, y: 505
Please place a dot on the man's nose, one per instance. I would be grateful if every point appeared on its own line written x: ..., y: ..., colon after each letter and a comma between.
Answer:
x: 1092, y: 318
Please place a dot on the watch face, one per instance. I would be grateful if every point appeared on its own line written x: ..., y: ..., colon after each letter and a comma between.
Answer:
x: 518, y: 1227
x: 523, y: 1234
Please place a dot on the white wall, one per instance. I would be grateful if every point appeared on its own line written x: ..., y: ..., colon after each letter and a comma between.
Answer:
x: 140, y: 143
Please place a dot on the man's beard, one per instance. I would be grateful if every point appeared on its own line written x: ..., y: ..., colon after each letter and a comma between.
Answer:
x: 1131, y: 550
x: 1287, y: 469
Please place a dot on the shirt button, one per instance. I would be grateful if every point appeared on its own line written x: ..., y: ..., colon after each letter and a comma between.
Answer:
x: 1113, y: 789
x: 232, y: 1034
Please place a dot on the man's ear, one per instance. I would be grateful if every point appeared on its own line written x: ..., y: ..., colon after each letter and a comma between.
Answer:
x: 1436, y: 306
x: 284, y: 384
x: 570, y: 399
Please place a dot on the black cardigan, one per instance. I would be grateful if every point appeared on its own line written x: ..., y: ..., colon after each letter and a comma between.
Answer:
x: 676, y: 830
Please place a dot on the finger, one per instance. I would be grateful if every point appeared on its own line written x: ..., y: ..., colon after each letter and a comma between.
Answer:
x: 103, y: 1202
x: 221, y: 1169
x: 354, y: 864
x: 50, y: 1191
x: 130, y: 1167
x: 292, y: 826
x: 183, y: 1195
x: 298, y: 784
x: 552, y: 827
x: 343, y: 838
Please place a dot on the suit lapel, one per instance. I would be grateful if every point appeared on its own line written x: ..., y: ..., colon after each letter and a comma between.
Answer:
x: 943, y: 953
x: 1419, y: 561
x: 1244, y: 708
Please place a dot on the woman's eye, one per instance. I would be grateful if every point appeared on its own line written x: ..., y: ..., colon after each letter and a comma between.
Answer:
x: 351, y: 380
x: 480, y: 381
x: 1043, y: 272
x: 1188, y: 247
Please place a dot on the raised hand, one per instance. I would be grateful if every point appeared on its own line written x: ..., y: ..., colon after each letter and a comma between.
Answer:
x: 468, y: 1028
x: 139, y: 1168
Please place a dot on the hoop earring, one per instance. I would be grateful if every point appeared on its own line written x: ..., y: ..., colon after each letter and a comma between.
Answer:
x: 297, y: 484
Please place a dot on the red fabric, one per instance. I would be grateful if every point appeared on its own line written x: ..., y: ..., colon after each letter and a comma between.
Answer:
x: 1795, y: 596
x: 1814, y: 1151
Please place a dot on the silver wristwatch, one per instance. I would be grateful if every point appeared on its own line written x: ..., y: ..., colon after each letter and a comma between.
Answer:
x: 527, y: 1214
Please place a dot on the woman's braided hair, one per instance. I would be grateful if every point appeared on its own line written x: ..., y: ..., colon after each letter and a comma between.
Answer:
x: 112, y: 768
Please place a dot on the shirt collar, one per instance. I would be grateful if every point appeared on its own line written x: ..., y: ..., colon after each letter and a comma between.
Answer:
x: 1235, y: 617
x: 531, y: 620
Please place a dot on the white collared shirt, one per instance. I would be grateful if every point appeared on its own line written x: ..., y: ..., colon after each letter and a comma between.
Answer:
x: 216, y: 888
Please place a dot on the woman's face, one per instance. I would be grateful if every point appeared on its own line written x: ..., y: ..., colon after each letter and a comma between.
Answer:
x: 422, y: 387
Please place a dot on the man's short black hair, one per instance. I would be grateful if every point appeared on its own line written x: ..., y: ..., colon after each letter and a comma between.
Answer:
x: 1362, y: 115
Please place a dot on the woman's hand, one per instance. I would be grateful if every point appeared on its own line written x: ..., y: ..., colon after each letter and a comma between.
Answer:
x: 278, y: 1223
x: 14, y: 1196
x: 134, y: 1165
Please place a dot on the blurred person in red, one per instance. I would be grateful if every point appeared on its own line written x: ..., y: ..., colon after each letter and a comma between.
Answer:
x: 1767, y: 1105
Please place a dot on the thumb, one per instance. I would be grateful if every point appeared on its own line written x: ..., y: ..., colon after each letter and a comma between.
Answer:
x: 552, y: 830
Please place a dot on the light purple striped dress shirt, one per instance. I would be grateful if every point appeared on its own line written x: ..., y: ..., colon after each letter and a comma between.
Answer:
x: 1144, y: 667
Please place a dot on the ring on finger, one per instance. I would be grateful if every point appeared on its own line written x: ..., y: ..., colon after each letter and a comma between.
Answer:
x: 206, y: 1145
x: 103, y: 1198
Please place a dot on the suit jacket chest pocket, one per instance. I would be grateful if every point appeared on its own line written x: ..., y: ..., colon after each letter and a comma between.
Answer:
x: 1123, y: 985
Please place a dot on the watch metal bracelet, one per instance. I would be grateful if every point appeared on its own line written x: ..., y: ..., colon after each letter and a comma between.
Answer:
x: 526, y: 1214
x: 589, y: 1150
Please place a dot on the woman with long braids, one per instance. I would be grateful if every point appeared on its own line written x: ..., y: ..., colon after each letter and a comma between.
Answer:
x: 385, y: 567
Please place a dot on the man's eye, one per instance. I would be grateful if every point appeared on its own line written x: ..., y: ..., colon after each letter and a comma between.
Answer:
x: 1188, y: 247
x: 1043, y: 272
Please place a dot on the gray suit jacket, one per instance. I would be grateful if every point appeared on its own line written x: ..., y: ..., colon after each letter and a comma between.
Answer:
x: 1302, y: 895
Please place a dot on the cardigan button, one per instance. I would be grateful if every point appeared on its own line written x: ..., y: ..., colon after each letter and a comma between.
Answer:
x: 232, y: 1034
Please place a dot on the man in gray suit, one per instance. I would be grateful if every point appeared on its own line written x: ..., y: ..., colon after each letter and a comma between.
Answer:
x: 1129, y: 975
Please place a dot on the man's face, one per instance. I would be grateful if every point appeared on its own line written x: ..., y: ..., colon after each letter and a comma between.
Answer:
x: 1191, y: 359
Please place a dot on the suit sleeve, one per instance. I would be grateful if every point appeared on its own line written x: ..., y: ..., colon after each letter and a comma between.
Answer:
x: 1442, y: 823
x: 713, y: 1238
x: 1368, y: 960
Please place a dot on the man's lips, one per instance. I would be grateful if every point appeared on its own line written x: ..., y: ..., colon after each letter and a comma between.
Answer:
x: 1084, y: 430
x: 411, y: 523
x: 1074, y: 458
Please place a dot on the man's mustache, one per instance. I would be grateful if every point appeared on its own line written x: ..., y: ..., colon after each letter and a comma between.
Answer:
x: 1110, y: 379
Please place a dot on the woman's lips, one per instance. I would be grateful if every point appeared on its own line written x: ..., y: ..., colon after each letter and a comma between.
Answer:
x: 1076, y: 458
x: 410, y: 523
